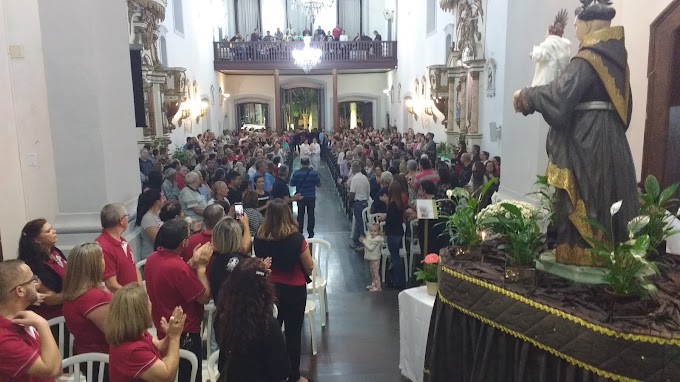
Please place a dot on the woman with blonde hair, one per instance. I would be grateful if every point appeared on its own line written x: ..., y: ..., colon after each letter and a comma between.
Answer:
x: 134, y: 354
x: 86, y: 299
x: 291, y: 265
x: 229, y: 238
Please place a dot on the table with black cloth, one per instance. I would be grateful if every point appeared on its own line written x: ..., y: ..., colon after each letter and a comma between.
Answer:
x: 481, y: 330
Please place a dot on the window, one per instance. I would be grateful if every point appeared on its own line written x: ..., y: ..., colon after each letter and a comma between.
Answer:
x: 431, y: 16
x: 163, y: 48
x: 178, y: 16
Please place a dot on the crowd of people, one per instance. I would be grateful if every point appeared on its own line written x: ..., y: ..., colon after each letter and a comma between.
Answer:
x: 319, y: 34
x: 197, y: 244
x: 391, y: 171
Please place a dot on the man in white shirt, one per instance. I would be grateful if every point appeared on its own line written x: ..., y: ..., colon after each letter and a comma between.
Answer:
x: 359, y: 193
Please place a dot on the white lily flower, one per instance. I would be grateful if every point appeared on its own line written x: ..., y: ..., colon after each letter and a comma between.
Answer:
x: 449, y: 193
x: 615, y: 207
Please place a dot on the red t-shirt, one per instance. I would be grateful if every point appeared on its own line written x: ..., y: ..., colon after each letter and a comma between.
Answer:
x: 20, y: 348
x: 49, y: 312
x: 128, y: 361
x: 87, y: 336
x: 294, y: 278
x: 118, y: 258
x: 180, y: 180
x: 194, y: 241
x: 170, y: 282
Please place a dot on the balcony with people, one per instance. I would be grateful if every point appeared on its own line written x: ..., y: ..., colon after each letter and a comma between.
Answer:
x: 276, y: 51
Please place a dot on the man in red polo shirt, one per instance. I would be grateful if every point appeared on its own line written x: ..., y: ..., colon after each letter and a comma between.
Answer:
x: 29, y: 352
x: 211, y: 216
x: 170, y: 282
x: 119, y: 269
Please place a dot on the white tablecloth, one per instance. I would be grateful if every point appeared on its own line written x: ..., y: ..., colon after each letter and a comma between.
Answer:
x: 415, y: 309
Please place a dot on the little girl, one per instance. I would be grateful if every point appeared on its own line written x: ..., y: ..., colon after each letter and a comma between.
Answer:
x: 372, y: 245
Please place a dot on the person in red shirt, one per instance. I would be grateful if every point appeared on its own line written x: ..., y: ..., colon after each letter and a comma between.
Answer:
x: 211, y: 216
x: 170, y: 282
x: 134, y: 355
x: 86, y: 301
x: 291, y: 264
x: 120, y: 268
x: 37, y: 249
x: 337, y: 32
x: 29, y: 352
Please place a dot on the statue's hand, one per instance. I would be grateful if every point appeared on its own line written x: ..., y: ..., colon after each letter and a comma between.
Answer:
x: 515, y: 101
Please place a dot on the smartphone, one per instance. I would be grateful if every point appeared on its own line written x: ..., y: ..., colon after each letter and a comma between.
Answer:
x: 238, y: 210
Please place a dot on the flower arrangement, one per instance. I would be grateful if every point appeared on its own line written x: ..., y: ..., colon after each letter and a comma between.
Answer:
x: 654, y: 203
x: 527, y: 210
x: 461, y: 226
x: 517, y: 222
x: 629, y: 270
x: 428, y: 272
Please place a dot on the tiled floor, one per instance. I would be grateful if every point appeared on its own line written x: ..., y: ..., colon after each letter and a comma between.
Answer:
x: 361, y: 339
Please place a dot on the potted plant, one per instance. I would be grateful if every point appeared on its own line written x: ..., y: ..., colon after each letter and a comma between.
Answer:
x: 181, y: 155
x: 546, y: 198
x: 655, y: 203
x: 461, y: 226
x: 428, y: 273
x: 517, y: 223
x: 629, y: 270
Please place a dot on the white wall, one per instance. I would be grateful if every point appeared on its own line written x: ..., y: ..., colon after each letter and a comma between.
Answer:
x: 194, y: 51
x: 368, y: 86
x: 416, y: 51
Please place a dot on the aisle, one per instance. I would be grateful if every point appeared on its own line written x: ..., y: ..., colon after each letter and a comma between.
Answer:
x: 361, y: 339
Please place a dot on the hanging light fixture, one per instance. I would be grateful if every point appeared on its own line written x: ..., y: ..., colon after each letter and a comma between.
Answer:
x: 307, y: 57
x: 311, y: 8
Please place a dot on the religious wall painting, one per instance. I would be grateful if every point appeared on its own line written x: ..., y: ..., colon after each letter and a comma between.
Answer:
x: 221, y: 96
x: 490, y: 72
x: 212, y: 95
x: 399, y: 92
x: 391, y: 94
x: 423, y: 87
x: 416, y: 88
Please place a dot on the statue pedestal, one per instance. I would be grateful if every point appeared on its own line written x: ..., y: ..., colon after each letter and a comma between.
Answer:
x: 584, y: 275
x: 453, y: 137
x: 473, y: 139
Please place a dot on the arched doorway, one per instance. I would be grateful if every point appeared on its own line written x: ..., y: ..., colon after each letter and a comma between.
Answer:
x: 303, y: 108
x: 250, y: 114
x: 662, y: 130
x: 355, y: 114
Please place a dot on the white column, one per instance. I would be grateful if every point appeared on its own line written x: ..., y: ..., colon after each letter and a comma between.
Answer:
x: 89, y: 95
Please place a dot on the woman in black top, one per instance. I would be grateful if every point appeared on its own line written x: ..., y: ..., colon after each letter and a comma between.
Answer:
x: 37, y: 249
x: 262, y: 195
x: 229, y: 238
x: 394, y: 231
x: 250, y: 339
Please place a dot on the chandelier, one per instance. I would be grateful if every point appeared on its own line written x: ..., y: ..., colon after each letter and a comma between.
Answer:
x: 311, y: 8
x: 307, y: 57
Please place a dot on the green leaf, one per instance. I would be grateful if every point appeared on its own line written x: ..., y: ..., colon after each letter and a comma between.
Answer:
x: 595, y: 224
x: 668, y: 193
x: 652, y: 187
x: 513, y: 210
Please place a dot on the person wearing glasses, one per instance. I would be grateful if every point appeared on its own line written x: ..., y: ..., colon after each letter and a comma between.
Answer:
x: 37, y: 248
x: 120, y: 269
x: 29, y: 352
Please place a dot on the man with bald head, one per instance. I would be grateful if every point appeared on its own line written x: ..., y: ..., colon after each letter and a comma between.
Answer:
x: 119, y: 267
x: 29, y: 352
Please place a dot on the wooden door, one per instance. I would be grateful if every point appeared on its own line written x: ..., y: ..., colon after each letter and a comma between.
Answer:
x: 661, y: 155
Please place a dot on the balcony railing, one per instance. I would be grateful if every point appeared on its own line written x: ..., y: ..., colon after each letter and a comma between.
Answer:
x: 265, y: 55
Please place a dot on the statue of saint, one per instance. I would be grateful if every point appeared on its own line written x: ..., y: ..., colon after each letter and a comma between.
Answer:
x: 588, y: 109
x: 552, y: 56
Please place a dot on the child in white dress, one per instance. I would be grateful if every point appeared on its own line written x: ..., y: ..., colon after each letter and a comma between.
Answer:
x: 372, y: 245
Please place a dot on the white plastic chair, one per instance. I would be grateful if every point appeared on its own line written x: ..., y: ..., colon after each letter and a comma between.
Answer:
x: 140, y: 265
x: 310, y: 313
x: 191, y: 357
x: 90, y: 359
x: 414, y: 244
x: 213, y: 372
x: 208, y: 328
x: 385, y: 253
x: 59, y: 321
x: 365, y: 217
x: 321, y: 250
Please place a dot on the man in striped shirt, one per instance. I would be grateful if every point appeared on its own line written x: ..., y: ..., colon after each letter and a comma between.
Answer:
x: 306, y: 180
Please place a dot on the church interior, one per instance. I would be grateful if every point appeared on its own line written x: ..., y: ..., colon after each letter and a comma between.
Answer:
x: 565, y: 270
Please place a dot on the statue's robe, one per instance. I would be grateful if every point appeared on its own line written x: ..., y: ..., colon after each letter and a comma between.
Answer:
x: 591, y: 165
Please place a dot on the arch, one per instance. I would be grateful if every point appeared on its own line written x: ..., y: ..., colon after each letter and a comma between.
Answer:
x: 207, y: 120
x: 303, y: 82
